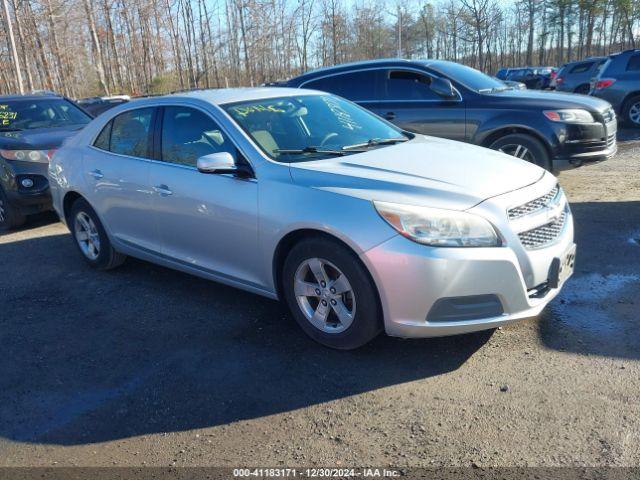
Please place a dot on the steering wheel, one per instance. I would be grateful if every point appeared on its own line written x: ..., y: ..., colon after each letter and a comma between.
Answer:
x: 328, y: 137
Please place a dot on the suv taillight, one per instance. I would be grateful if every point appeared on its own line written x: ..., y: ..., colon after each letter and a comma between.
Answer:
x: 604, y: 83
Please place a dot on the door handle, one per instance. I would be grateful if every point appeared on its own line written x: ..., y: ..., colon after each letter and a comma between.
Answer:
x: 97, y: 174
x: 163, y: 190
x: 389, y: 116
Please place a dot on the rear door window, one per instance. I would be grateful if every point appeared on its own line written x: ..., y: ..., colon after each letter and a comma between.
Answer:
x: 131, y: 133
x: 356, y: 86
x: 408, y: 85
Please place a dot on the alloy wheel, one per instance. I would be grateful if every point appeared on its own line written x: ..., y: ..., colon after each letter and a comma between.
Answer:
x: 324, y: 295
x: 519, y: 151
x: 634, y: 113
x: 87, y: 236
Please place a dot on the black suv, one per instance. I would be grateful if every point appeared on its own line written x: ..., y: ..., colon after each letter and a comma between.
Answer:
x: 446, y: 99
x: 535, y: 78
x: 32, y: 127
x: 618, y: 82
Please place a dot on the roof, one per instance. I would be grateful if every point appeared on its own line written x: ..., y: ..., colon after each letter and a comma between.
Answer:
x: 231, y: 95
x: 28, y: 96
x: 384, y: 62
x: 585, y: 60
x: 372, y: 63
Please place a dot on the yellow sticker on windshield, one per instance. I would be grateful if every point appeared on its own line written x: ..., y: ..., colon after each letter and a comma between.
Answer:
x: 6, y: 116
x: 245, y: 110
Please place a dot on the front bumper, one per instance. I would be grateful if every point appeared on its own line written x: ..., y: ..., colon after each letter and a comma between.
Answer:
x: 580, y: 159
x: 412, y: 279
x: 581, y: 144
x: 30, y: 200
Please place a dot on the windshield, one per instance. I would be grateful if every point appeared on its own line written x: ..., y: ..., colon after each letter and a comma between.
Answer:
x: 40, y: 113
x: 469, y: 77
x: 309, y: 127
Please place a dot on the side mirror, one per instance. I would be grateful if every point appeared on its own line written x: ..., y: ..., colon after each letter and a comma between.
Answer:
x: 220, y: 163
x: 443, y: 88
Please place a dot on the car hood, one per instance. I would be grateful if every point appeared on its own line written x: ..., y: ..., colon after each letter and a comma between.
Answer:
x: 38, y: 138
x: 424, y: 171
x: 544, y: 99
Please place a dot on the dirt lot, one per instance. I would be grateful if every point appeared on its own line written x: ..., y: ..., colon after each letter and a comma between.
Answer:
x: 146, y: 366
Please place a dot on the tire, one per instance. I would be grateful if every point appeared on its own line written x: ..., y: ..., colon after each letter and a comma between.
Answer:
x: 583, y: 89
x: 356, y: 298
x: 631, y: 112
x: 531, y: 149
x: 90, y: 237
x: 10, y: 217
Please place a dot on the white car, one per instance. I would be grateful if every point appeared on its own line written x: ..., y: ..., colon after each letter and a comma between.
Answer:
x: 303, y: 196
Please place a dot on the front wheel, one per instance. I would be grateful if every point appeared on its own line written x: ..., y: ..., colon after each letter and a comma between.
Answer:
x: 330, y: 294
x: 525, y: 147
x: 91, y: 238
x: 631, y: 112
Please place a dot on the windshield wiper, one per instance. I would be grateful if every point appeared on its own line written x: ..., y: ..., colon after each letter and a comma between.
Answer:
x: 373, y: 142
x: 11, y: 129
x: 310, y: 149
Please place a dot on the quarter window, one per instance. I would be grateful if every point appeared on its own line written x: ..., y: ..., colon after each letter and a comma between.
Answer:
x: 356, y: 86
x: 408, y: 85
x: 188, y: 134
x: 102, y: 141
x: 131, y: 132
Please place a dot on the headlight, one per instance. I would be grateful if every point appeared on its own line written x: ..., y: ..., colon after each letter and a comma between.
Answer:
x: 39, y: 156
x: 439, y: 228
x: 569, y: 116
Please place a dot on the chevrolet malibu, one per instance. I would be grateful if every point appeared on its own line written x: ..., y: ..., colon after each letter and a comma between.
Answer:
x: 359, y: 226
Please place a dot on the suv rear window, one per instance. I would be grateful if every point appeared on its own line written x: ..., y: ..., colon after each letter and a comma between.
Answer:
x: 634, y: 62
x: 582, y: 67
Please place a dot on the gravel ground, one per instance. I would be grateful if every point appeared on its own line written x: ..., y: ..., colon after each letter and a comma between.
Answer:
x: 146, y: 366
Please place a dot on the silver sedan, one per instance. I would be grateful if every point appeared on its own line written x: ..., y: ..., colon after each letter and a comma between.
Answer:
x: 303, y: 196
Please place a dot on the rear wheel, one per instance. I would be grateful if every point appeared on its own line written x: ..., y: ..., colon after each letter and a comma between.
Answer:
x: 582, y: 89
x: 631, y: 112
x: 330, y: 294
x: 91, y: 238
x: 10, y: 217
x: 525, y: 147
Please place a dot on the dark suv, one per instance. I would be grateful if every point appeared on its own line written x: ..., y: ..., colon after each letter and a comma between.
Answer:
x: 576, y: 77
x: 32, y: 127
x: 618, y: 82
x: 446, y: 99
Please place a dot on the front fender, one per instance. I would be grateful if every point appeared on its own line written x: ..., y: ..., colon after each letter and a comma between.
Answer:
x: 481, y: 133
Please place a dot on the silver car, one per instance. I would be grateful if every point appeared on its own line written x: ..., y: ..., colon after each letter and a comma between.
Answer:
x: 303, y: 196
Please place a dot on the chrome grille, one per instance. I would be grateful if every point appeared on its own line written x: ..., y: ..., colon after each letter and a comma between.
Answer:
x: 544, y: 234
x: 534, y: 205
